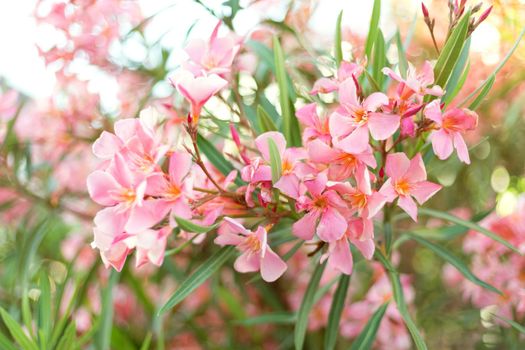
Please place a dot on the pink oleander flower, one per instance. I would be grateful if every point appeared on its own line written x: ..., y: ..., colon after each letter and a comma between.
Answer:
x: 256, y: 253
x: 197, y: 90
x: 135, y: 141
x: 363, y: 201
x: 323, y: 214
x: 450, y: 126
x: 289, y: 182
x: 173, y: 189
x: 339, y: 255
x: 345, y: 71
x: 257, y: 174
x: 316, y: 127
x: 350, y: 124
x: 407, y: 179
x: 415, y: 84
x: 212, y: 56
x: 123, y: 191
x: 340, y: 164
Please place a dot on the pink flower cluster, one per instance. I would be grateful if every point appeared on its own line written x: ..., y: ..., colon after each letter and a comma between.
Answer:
x: 496, y: 265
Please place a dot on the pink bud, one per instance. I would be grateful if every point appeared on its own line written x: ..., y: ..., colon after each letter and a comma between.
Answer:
x: 484, y: 16
x: 413, y: 110
x: 424, y: 9
x: 235, y: 135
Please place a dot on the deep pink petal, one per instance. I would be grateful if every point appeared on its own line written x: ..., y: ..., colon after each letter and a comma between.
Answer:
x: 320, y: 152
x: 289, y: 185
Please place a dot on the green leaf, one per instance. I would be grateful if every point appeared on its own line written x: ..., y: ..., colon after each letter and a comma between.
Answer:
x: 401, y: 56
x: 17, y: 332
x: 338, y: 48
x: 468, y: 224
x: 486, y: 89
x: 271, y: 318
x: 498, y: 68
x: 336, y: 309
x: 44, y: 309
x: 67, y: 340
x: 399, y: 297
x: 103, y: 336
x: 457, y: 73
x: 203, y: 272
x: 189, y: 226
x: 379, y: 59
x: 460, y: 84
x: 275, y: 160
x: 367, y: 336
x: 514, y: 324
x: 373, y: 29
x: 451, y: 51
x: 5, y: 343
x: 214, y: 156
x: 147, y: 341
x: 265, y: 122
x: 454, y: 261
x: 306, y: 306
x: 290, y: 124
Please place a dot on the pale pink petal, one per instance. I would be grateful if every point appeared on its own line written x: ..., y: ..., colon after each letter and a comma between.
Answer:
x: 382, y: 125
x: 397, y: 165
x: 461, y: 148
x: 145, y: 216
x: 262, y: 143
x: 106, y: 145
x: 126, y: 129
x: 180, y: 208
x: 324, y: 86
x: 307, y: 115
x: 433, y: 112
x: 355, y: 142
x: 442, y: 144
x: 247, y: 262
x: 180, y: 164
x: 110, y: 221
x: 388, y: 191
x: 289, y: 185
x: 393, y: 75
x: 272, y: 266
x: 317, y: 185
x: 100, y: 185
x: 340, y: 256
x: 407, y: 204
x: 375, y: 202
x: 228, y: 238
x: 374, y: 101
x: 348, y: 93
x: 340, y: 125
x: 320, y: 152
x: 366, y: 247
x: 416, y: 171
x: 233, y: 226
x: 331, y: 226
x: 304, y: 228
x: 423, y: 190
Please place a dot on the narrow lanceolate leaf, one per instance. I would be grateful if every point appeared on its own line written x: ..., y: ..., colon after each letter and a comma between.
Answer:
x: 5, y: 343
x: 483, y: 93
x: 290, y: 124
x: 399, y: 297
x: 454, y: 261
x: 67, y: 341
x: 451, y: 52
x: 498, y: 68
x: 103, y: 336
x: 306, y: 306
x: 189, y: 226
x: 520, y: 328
x: 374, y: 28
x: 275, y: 160
x: 338, y: 48
x: 272, y: 318
x: 17, y: 332
x: 379, y: 59
x: 468, y: 224
x: 264, y: 120
x: 203, y: 272
x: 367, y: 336
x: 457, y: 73
x: 338, y: 303
x: 214, y: 156
x: 401, y: 56
x: 457, y: 88
x: 44, y: 309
